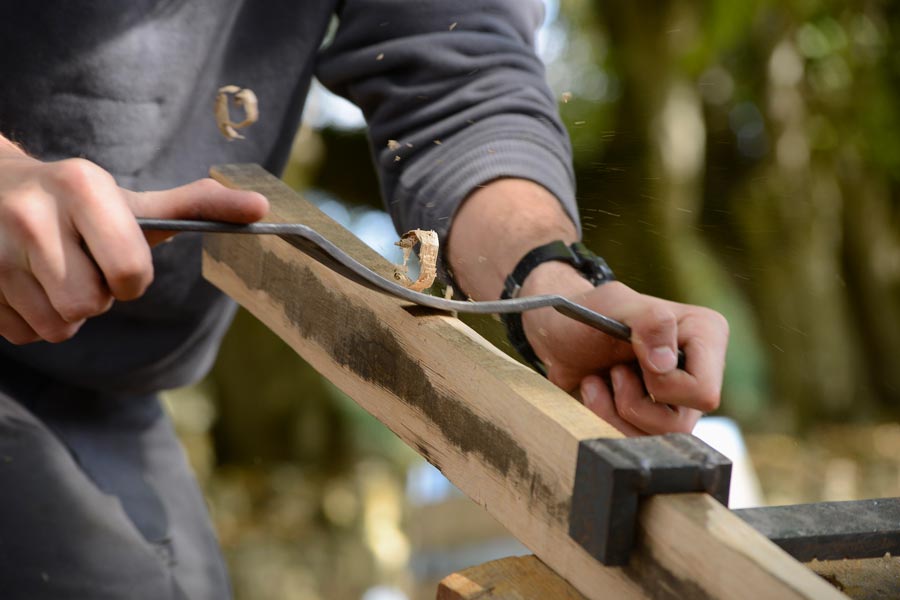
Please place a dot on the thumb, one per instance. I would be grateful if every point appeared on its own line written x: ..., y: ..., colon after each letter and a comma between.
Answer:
x: 654, y: 337
x: 202, y: 200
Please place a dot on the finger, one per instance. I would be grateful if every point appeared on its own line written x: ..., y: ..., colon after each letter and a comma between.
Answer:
x: 205, y: 200
x: 14, y: 329
x: 26, y: 297
x: 703, y: 335
x: 596, y: 396
x: 69, y: 277
x: 654, y: 335
x: 97, y: 210
x: 634, y: 405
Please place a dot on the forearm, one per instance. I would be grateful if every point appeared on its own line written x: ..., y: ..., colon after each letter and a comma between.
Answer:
x: 496, y: 226
x: 456, y: 99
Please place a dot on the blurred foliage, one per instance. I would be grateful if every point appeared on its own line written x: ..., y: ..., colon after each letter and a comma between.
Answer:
x: 744, y: 156
x: 833, y: 462
x: 739, y: 155
x: 305, y: 488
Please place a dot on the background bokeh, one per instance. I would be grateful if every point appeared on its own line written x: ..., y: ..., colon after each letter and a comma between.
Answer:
x: 741, y: 155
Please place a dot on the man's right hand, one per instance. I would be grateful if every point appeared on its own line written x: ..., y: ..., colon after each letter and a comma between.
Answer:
x: 70, y: 245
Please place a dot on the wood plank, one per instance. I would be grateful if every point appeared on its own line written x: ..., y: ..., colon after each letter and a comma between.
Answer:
x: 701, y: 541
x: 511, y: 578
x: 503, y: 434
x: 527, y: 578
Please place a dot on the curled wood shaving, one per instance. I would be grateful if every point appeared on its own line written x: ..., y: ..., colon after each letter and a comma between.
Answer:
x: 428, y: 253
x: 243, y: 98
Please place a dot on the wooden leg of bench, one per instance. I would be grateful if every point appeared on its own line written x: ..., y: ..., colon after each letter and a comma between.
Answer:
x: 527, y: 578
x: 511, y: 578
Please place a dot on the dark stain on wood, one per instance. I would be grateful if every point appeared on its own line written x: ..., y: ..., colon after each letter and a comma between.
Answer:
x: 374, y: 352
x: 658, y: 582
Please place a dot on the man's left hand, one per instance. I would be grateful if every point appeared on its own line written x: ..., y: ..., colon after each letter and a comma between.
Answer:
x: 636, y: 387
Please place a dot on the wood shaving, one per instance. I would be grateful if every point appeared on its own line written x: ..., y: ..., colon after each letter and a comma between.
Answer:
x: 428, y: 253
x: 448, y: 295
x: 393, y: 144
x: 453, y: 26
x: 242, y: 98
x: 380, y: 56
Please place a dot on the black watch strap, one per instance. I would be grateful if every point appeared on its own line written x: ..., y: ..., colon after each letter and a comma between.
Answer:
x: 591, y: 266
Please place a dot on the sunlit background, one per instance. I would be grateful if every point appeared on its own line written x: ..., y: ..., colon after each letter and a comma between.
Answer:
x: 741, y: 155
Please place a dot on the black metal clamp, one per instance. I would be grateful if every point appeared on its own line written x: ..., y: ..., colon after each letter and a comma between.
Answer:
x: 613, y: 474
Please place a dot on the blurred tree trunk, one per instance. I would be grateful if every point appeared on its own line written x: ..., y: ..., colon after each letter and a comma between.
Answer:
x: 662, y: 135
x: 872, y: 267
x: 272, y: 406
x: 794, y: 224
x: 814, y: 245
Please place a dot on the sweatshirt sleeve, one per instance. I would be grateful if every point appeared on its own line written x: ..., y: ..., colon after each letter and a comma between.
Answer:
x: 454, y: 96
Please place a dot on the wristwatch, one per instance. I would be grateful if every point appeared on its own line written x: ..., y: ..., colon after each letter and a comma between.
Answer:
x: 591, y: 266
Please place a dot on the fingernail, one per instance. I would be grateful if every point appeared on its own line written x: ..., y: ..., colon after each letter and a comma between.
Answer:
x: 663, y: 359
x: 616, y: 377
x: 589, y: 393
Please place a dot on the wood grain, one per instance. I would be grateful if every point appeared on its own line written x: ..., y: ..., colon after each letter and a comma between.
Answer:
x: 503, y: 434
x: 511, y: 578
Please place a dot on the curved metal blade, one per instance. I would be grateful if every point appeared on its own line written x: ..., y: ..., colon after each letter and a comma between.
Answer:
x: 321, y: 249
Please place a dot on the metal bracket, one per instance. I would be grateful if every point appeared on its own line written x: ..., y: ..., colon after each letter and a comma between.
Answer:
x: 613, y: 474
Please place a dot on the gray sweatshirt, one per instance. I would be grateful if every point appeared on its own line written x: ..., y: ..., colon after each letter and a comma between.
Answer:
x: 129, y: 85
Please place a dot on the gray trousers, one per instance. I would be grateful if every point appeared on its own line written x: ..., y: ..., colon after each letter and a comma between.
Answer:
x: 97, y: 500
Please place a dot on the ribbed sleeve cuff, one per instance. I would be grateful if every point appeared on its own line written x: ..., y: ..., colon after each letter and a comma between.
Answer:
x: 431, y: 188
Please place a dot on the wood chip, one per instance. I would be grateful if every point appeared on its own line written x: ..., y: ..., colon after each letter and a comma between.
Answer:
x: 393, y: 144
x: 453, y: 26
x: 428, y: 253
x: 380, y: 56
x: 566, y: 96
x: 242, y: 98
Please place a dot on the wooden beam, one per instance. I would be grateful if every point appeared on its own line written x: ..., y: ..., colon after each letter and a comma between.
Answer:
x: 503, y: 434
x: 527, y: 578
x: 511, y: 578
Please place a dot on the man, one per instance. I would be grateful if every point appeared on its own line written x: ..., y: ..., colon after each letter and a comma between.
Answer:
x: 98, y: 502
